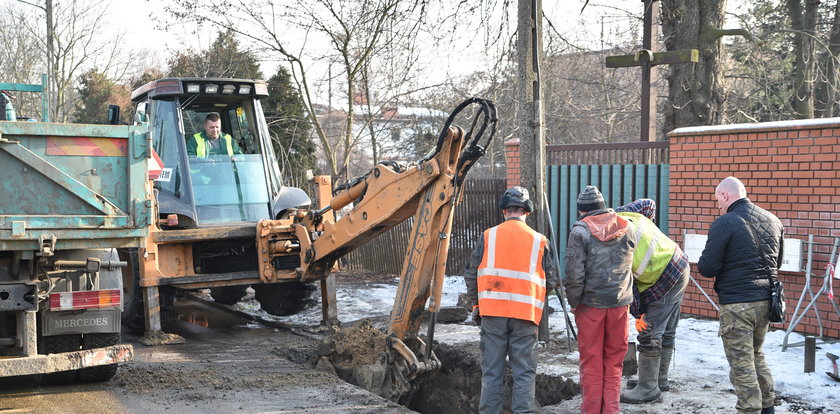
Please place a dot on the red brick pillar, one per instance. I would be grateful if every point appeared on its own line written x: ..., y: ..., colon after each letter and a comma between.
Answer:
x: 514, y: 171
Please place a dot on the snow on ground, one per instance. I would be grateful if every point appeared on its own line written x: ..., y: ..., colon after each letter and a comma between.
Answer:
x: 700, y: 374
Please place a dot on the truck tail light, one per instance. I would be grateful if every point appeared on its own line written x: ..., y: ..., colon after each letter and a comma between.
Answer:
x: 89, y: 299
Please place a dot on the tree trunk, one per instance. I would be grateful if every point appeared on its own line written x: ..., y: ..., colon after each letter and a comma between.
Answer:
x: 804, y: 66
x: 826, y: 94
x: 694, y: 90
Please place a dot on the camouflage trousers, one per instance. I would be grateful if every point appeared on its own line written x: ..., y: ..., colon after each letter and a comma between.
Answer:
x: 742, y: 328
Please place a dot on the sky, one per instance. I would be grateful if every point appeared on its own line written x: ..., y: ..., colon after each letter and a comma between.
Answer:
x: 585, y: 29
x: 601, y: 24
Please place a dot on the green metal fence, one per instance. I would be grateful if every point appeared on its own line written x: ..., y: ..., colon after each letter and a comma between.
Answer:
x: 619, y: 183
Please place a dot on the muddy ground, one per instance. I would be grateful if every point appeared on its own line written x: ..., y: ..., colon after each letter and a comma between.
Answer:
x: 226, y: 366
x: 232, y: 365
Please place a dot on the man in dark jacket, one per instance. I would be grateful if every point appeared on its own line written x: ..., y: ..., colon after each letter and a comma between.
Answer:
x: 742, y: 253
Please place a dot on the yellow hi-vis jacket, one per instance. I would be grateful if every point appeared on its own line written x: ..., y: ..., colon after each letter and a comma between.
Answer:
x: 201, y: 149
x: 653, y: 251
x: 511, y: 279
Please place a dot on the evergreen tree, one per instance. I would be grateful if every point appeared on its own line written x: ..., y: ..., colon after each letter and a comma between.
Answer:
x: 97, y: 91
x: 290, y: 128
x: 224, y: 59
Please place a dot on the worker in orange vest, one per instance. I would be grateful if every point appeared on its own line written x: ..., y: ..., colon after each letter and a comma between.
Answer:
x: 507, y: 276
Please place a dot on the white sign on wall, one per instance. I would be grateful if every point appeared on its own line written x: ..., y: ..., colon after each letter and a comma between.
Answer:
x: 791, y: 261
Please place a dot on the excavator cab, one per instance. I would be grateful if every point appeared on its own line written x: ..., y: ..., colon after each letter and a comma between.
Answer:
x: 209, y: 201
x: 240, y: 184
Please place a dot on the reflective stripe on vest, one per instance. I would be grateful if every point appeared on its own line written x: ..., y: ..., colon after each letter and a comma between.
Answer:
x: 653, y: 251
x: 511, y: 280
x: 201, y: 148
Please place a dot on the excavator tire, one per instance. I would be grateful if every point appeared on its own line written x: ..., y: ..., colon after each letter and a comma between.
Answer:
x: 53, y: 345
x: 102, y: 372
x: 133, y: 306
x: 283, y: 299
x: 228, y: 295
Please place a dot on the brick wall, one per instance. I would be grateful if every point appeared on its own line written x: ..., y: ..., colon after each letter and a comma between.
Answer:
x: 514, y: 171
x: 789, y: 168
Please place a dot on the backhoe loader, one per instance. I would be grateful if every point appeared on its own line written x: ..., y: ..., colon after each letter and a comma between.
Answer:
x: 226, y: 221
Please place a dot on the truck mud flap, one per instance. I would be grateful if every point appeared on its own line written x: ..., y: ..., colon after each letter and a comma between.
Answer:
x: 80, y: 322
x: 66, y: 361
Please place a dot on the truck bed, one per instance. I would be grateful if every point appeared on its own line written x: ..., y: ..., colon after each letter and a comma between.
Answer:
x: 84, y: 185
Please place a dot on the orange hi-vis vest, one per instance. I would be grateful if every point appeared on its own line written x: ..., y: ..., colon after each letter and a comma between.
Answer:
x: 511, y: 279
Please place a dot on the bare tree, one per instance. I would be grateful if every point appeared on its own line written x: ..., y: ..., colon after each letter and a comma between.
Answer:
x: 791, y: 71
x: 74, y: 42
x: 20, y: 59
x: 804, y: 22
x: 355, y: 30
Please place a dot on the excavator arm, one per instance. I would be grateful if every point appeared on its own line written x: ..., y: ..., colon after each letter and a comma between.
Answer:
x: 389, y: 194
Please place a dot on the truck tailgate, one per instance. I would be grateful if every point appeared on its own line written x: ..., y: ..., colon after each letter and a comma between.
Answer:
x: 83, y: 185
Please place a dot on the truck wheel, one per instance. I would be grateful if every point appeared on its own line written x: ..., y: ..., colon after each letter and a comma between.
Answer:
x: 103, y: 372
x: 133, y: 320
x: 53, y: 345
x: 228, y: 295
x: 283, y: 299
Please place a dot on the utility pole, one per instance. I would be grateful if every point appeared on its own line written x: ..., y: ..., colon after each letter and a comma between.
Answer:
x: 48, y: 8
x: 531, y: 118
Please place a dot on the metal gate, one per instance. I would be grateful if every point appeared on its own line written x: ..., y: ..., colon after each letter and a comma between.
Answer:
x: 619, y: 183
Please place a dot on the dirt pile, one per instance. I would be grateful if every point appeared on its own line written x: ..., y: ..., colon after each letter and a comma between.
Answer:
x: 354, y: 346
x: 359, y: 356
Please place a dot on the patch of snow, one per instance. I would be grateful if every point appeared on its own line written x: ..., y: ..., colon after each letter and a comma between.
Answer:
x: 756, y: 126
x: 699, y: 374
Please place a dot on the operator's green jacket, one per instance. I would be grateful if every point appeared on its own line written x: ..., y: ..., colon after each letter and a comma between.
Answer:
x: 653, y: 251
x: 198, y: 145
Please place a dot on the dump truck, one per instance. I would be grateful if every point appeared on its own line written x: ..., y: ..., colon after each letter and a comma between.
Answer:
x: 227, y: 221
x: 71, y: 196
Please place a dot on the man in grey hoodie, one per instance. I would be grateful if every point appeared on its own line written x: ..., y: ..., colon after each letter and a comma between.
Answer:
x: 598, y: 284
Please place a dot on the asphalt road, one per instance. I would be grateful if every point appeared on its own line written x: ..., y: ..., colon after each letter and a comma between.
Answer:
x: 228, y: 365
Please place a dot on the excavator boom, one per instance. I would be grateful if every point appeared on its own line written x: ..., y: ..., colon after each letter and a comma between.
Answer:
x: 389, y: 194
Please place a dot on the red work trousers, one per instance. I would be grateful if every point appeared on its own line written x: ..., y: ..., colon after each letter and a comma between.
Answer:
x: 602, y: 342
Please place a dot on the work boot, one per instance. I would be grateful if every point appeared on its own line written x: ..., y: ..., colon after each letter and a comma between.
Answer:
x: 648, y: 387
x: 768, y: 410
x: 664, y: 366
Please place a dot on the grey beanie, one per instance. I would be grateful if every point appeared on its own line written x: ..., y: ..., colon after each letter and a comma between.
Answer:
x: 590, y: 200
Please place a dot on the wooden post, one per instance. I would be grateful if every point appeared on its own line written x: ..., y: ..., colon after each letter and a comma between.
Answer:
x: 650, y: 32
x: 810, y: 353
x: 647, y: 58
x: 329, y: 300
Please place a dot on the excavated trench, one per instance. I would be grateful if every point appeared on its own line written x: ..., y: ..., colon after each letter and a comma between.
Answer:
x: 356, y: 353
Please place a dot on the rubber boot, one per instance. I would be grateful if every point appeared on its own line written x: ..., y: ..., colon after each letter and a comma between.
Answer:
x: 664, y: 366
x: 648, y: 387
x: 768, y: 410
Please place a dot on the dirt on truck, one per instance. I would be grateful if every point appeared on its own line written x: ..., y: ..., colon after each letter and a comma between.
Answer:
x: 72, y: 195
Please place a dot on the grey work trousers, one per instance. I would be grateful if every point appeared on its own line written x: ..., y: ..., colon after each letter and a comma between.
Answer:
x: 662, y: 318
x: 515, y: 339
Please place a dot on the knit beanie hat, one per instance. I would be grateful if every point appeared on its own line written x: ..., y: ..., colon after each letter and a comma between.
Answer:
x: 590, y: 200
